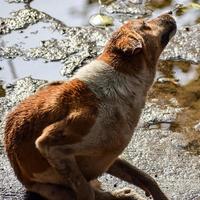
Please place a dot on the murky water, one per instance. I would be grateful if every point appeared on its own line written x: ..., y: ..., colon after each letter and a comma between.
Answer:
x: 187, y: 13
x: 180, y: 80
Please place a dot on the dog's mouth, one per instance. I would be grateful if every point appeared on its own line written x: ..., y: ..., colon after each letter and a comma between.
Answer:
x: 166, y: 36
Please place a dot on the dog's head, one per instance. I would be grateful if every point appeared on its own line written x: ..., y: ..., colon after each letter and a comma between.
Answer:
x: 139, y: 42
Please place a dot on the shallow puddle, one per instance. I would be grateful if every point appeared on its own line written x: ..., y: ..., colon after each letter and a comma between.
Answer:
x: 180, y: 80
x: 178, y: 72
x: 2, y: 91
x: 13, y: 69
x: 30, y: 37
x: 7, y: 8
x: 70, y: 12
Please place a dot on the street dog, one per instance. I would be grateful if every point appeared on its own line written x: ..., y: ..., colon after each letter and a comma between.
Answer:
x: 69, y: 133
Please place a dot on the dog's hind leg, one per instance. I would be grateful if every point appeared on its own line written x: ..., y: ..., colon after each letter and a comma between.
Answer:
x: 51, y: 191
x: 133, y: 175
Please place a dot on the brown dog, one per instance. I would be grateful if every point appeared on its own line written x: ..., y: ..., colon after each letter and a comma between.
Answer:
x: 68, y: 134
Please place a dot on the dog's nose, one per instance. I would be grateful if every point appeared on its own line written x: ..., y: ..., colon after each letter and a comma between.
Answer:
x: 167, y: 21
x: 170, y: 13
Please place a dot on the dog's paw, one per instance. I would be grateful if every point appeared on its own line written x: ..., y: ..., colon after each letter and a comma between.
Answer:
x: 127, y: 194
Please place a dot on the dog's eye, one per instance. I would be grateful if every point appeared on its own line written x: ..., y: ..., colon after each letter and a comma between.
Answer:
x: 145, y: 26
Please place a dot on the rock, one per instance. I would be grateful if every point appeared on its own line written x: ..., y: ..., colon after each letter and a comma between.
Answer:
x: 17, y: 92
x: 21, y: 19
x: 197, y: 127
x: 127, y: 9
x: 184, y: 46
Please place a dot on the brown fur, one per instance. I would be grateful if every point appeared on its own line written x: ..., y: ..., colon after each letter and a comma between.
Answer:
x: 134, y: 45
x: 29, y: 119
x: 49, y: 137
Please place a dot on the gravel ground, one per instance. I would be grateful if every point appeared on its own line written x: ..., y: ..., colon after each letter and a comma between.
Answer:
x: 156, y: 147
x: 158, y: 151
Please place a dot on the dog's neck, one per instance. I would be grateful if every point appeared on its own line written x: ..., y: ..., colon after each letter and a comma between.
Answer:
x: 107, y: 82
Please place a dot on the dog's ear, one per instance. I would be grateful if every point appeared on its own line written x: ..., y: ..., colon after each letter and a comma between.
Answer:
x: 127, y: 42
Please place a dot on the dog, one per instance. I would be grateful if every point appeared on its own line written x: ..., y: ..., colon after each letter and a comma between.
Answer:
x: 69, y: 133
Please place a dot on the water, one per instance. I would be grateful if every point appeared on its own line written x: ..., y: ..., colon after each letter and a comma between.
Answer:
x: 180, y: 80
x: 184, y: 78
x: 72, y: 13
x: 32, y: 36
x: 7, y: 8
x: 178, y: 72
x: 13, y: 69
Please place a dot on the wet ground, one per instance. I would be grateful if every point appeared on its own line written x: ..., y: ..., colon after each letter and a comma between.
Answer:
x: 39, y: 41
x: 25, y: 29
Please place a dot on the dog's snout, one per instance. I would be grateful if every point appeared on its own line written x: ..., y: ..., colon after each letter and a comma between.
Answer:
x: 169, y: 28
x: 170, y: 25
x: 167, y: 20
x: 170, y: 13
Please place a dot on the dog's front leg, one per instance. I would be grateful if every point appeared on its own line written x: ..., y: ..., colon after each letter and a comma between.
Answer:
x: 125, y: 171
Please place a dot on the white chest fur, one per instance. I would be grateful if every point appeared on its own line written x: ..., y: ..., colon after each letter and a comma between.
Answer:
x: 122, y: 97
x: 109, y: 84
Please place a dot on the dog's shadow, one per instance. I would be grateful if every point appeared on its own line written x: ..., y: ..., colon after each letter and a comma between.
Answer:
x: 32, y: 196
